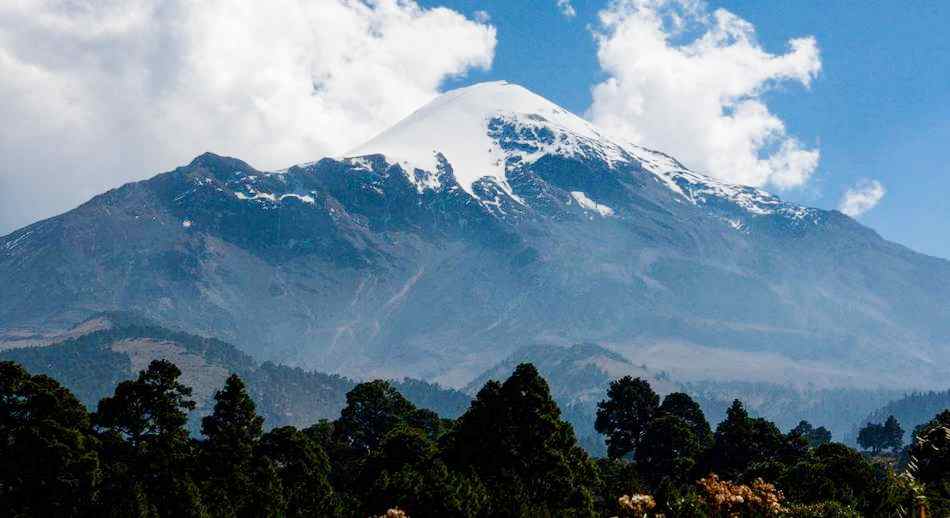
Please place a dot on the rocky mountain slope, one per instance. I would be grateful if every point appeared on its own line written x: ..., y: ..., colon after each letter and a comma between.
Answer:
x: 488, y: 220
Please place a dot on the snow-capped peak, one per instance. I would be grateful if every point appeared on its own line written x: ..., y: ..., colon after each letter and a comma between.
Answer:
x: 455, y: 124
x: 483, y: 129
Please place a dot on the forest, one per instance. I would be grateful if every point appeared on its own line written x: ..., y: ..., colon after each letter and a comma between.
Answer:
x: 509, y: 454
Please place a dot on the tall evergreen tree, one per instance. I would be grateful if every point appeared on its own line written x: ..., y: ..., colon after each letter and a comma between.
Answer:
x: 623, y: 417
x: 48, y: 460
x: 512, y: 437
x: 679, y: 404
x: 147, y: 446
x: 741, y: 441
x: 230, y: 469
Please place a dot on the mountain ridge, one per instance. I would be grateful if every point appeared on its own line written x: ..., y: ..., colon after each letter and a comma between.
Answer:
x: 371, y: 268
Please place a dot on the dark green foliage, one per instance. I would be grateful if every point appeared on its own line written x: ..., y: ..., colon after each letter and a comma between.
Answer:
x: 624, y: 415
x: 878, y: 437
x: 679, y: 404
x: 406, y: 473
x: 302, y: 468
x: 147, y: 445
x: 509, y: 454
x: 372, y: 410
x: 617, y: 478
x: 669, y: 449
x: 831, y: 472
x: 513, y: 439
x: 814, y: 436
x: 230, y: 470
x: 48, y: 460
x: 84, y: 364
x: 741, y: 441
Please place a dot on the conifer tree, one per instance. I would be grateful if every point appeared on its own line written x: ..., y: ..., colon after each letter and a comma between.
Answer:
x: 623, y: 417
x: 741, y: 441
x: 48, y: 460
x: 230, y: 467
x: 150, y: 454
x: 679, y: 404
x: 512, y: 437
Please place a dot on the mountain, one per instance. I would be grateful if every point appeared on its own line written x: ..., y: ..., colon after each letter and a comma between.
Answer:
x: 487, y: 220
x: 111, y: 347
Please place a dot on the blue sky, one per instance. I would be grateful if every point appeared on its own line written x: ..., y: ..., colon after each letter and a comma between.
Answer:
x: 879, y: 108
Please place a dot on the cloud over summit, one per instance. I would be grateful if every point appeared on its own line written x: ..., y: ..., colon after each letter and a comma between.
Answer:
x: 862, y: 197
x: 690, y: 82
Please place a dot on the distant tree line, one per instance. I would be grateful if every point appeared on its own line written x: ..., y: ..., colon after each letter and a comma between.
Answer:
x: 510, y: 454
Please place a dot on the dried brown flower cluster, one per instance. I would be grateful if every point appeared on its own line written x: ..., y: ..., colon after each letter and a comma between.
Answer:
x: 395, y: 513
x: 635, y: 505
x: 731, y: 499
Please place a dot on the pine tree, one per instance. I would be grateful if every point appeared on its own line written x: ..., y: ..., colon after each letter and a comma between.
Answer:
x: 741, y: 441
x: 230, y: 468
x: 147, y: 446
x: 623, y: 417
x: 513, y: 439
x: 48, y: 460
x: 679, y: 404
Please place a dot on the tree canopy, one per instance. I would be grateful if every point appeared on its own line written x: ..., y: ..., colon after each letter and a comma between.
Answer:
x: 623, y: 417
x: 509, y: 454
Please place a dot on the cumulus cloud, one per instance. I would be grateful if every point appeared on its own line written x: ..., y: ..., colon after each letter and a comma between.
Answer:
x: 862, y: 197
x: 566, y: 8
x: 98, y: 92
x: 691, y: 82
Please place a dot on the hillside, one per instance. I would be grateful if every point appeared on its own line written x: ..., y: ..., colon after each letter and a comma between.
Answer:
x: 92, y: 364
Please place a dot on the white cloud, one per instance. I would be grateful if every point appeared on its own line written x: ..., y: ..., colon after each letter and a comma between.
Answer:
x: 690, y: 82
x: 864, y: 196
x: 98, y: 92
x: 566, y: 8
